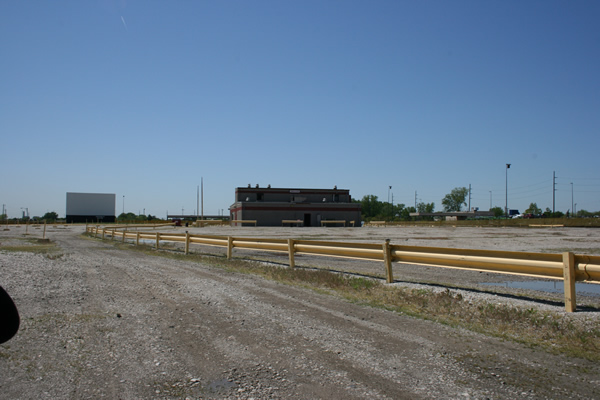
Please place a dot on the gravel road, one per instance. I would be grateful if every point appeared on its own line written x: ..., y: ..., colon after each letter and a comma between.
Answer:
x: 99, y: 322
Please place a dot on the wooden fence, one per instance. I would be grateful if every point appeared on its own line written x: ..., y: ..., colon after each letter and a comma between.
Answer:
x: 567, y: 266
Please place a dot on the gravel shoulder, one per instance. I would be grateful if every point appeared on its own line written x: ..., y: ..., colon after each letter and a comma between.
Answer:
x: 102, y: 322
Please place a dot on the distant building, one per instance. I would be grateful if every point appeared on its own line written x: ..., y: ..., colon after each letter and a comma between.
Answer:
x: 91, y: 207
x: 301, y: 207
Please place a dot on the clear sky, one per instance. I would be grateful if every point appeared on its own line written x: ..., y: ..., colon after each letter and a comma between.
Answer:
x: 142, y: 98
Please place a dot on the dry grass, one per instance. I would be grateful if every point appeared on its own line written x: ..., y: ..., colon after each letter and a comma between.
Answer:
x: 554, y: 332
x: 31, y: 245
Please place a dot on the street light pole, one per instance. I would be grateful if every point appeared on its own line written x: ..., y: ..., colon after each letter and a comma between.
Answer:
x: 506, y: 192
x: 572, y: 208
x: 389, y: 188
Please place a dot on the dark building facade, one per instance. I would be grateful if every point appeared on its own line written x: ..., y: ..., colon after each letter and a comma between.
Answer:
x: 287, y: 206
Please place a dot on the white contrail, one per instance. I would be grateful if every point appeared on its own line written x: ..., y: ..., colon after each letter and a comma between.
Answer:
x: 124, y: 24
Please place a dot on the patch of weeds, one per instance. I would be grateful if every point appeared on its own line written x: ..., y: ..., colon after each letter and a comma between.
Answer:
x: 551, y: 331
x: 581, y: 250
x: 31, y: 245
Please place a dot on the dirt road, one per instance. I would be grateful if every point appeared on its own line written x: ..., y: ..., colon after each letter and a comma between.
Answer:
x: 99, y: 322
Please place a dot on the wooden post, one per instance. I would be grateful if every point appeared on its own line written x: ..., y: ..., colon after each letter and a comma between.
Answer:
x: 157, y: 239
x: 291, y: 250
x: 103, y: 232
x: 387, y: 259
x: 187, y: 242
x: 569, y: 276
x: 229, y: 247
x: 112, y: 237
x: 44, y: 237
x: 137, y: 239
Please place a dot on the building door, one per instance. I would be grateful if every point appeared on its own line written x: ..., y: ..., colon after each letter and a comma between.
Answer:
x: 307, y: 220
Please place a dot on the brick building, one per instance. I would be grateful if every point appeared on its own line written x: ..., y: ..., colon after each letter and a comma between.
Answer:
x: 305, y: 207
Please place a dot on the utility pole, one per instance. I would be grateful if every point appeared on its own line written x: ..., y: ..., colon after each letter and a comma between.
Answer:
x: 572, y: 209
x: 389, y: 188
x: 506, y: 192
x: 202, y: 195
x: 553, y: 190
x: 469, y: 197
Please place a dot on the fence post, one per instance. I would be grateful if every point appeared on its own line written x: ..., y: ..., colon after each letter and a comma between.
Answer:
x: 112, y: 236
x: 291, y: 250
x: 569, y: 277
x: 157, y: 239
x: 187, y: 242
x: 137, y: 239
x: 103, y: 232
x: 124, y: 234
x: 387, y: 259
x: 229, y: 247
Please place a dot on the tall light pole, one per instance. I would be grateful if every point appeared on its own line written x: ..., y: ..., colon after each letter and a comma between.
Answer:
x: 506, y: 192
x: 389, y: 188
x: 572, y: 208
x: 123, y: 204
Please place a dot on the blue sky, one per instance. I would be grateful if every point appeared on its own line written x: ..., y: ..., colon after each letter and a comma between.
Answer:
x: 143, y: 98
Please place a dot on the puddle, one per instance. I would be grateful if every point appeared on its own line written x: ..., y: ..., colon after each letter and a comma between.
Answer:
x: 549, y: 286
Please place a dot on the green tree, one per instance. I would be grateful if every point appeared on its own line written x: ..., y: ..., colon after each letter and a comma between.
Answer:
x: 584, y: 214
x: 398, y: 210
x: 50, y: 216
x: 370, y: 207
x: 498, y: 211
x: 426, y: 208
x: 549, y: 214
x: 126, y: 217
x: 533, y: 209
x: 405, y: 213
x: 454, y: 200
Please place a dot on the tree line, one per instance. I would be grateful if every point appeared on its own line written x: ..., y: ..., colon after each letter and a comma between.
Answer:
x: 373, y: 209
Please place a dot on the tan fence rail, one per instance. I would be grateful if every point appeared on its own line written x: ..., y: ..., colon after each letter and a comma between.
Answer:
x: 243, y: 221
x: 567, y: 266
x: 291, y: 222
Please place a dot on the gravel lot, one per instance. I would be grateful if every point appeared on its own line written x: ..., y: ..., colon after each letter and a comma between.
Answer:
x: 99, y: 322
